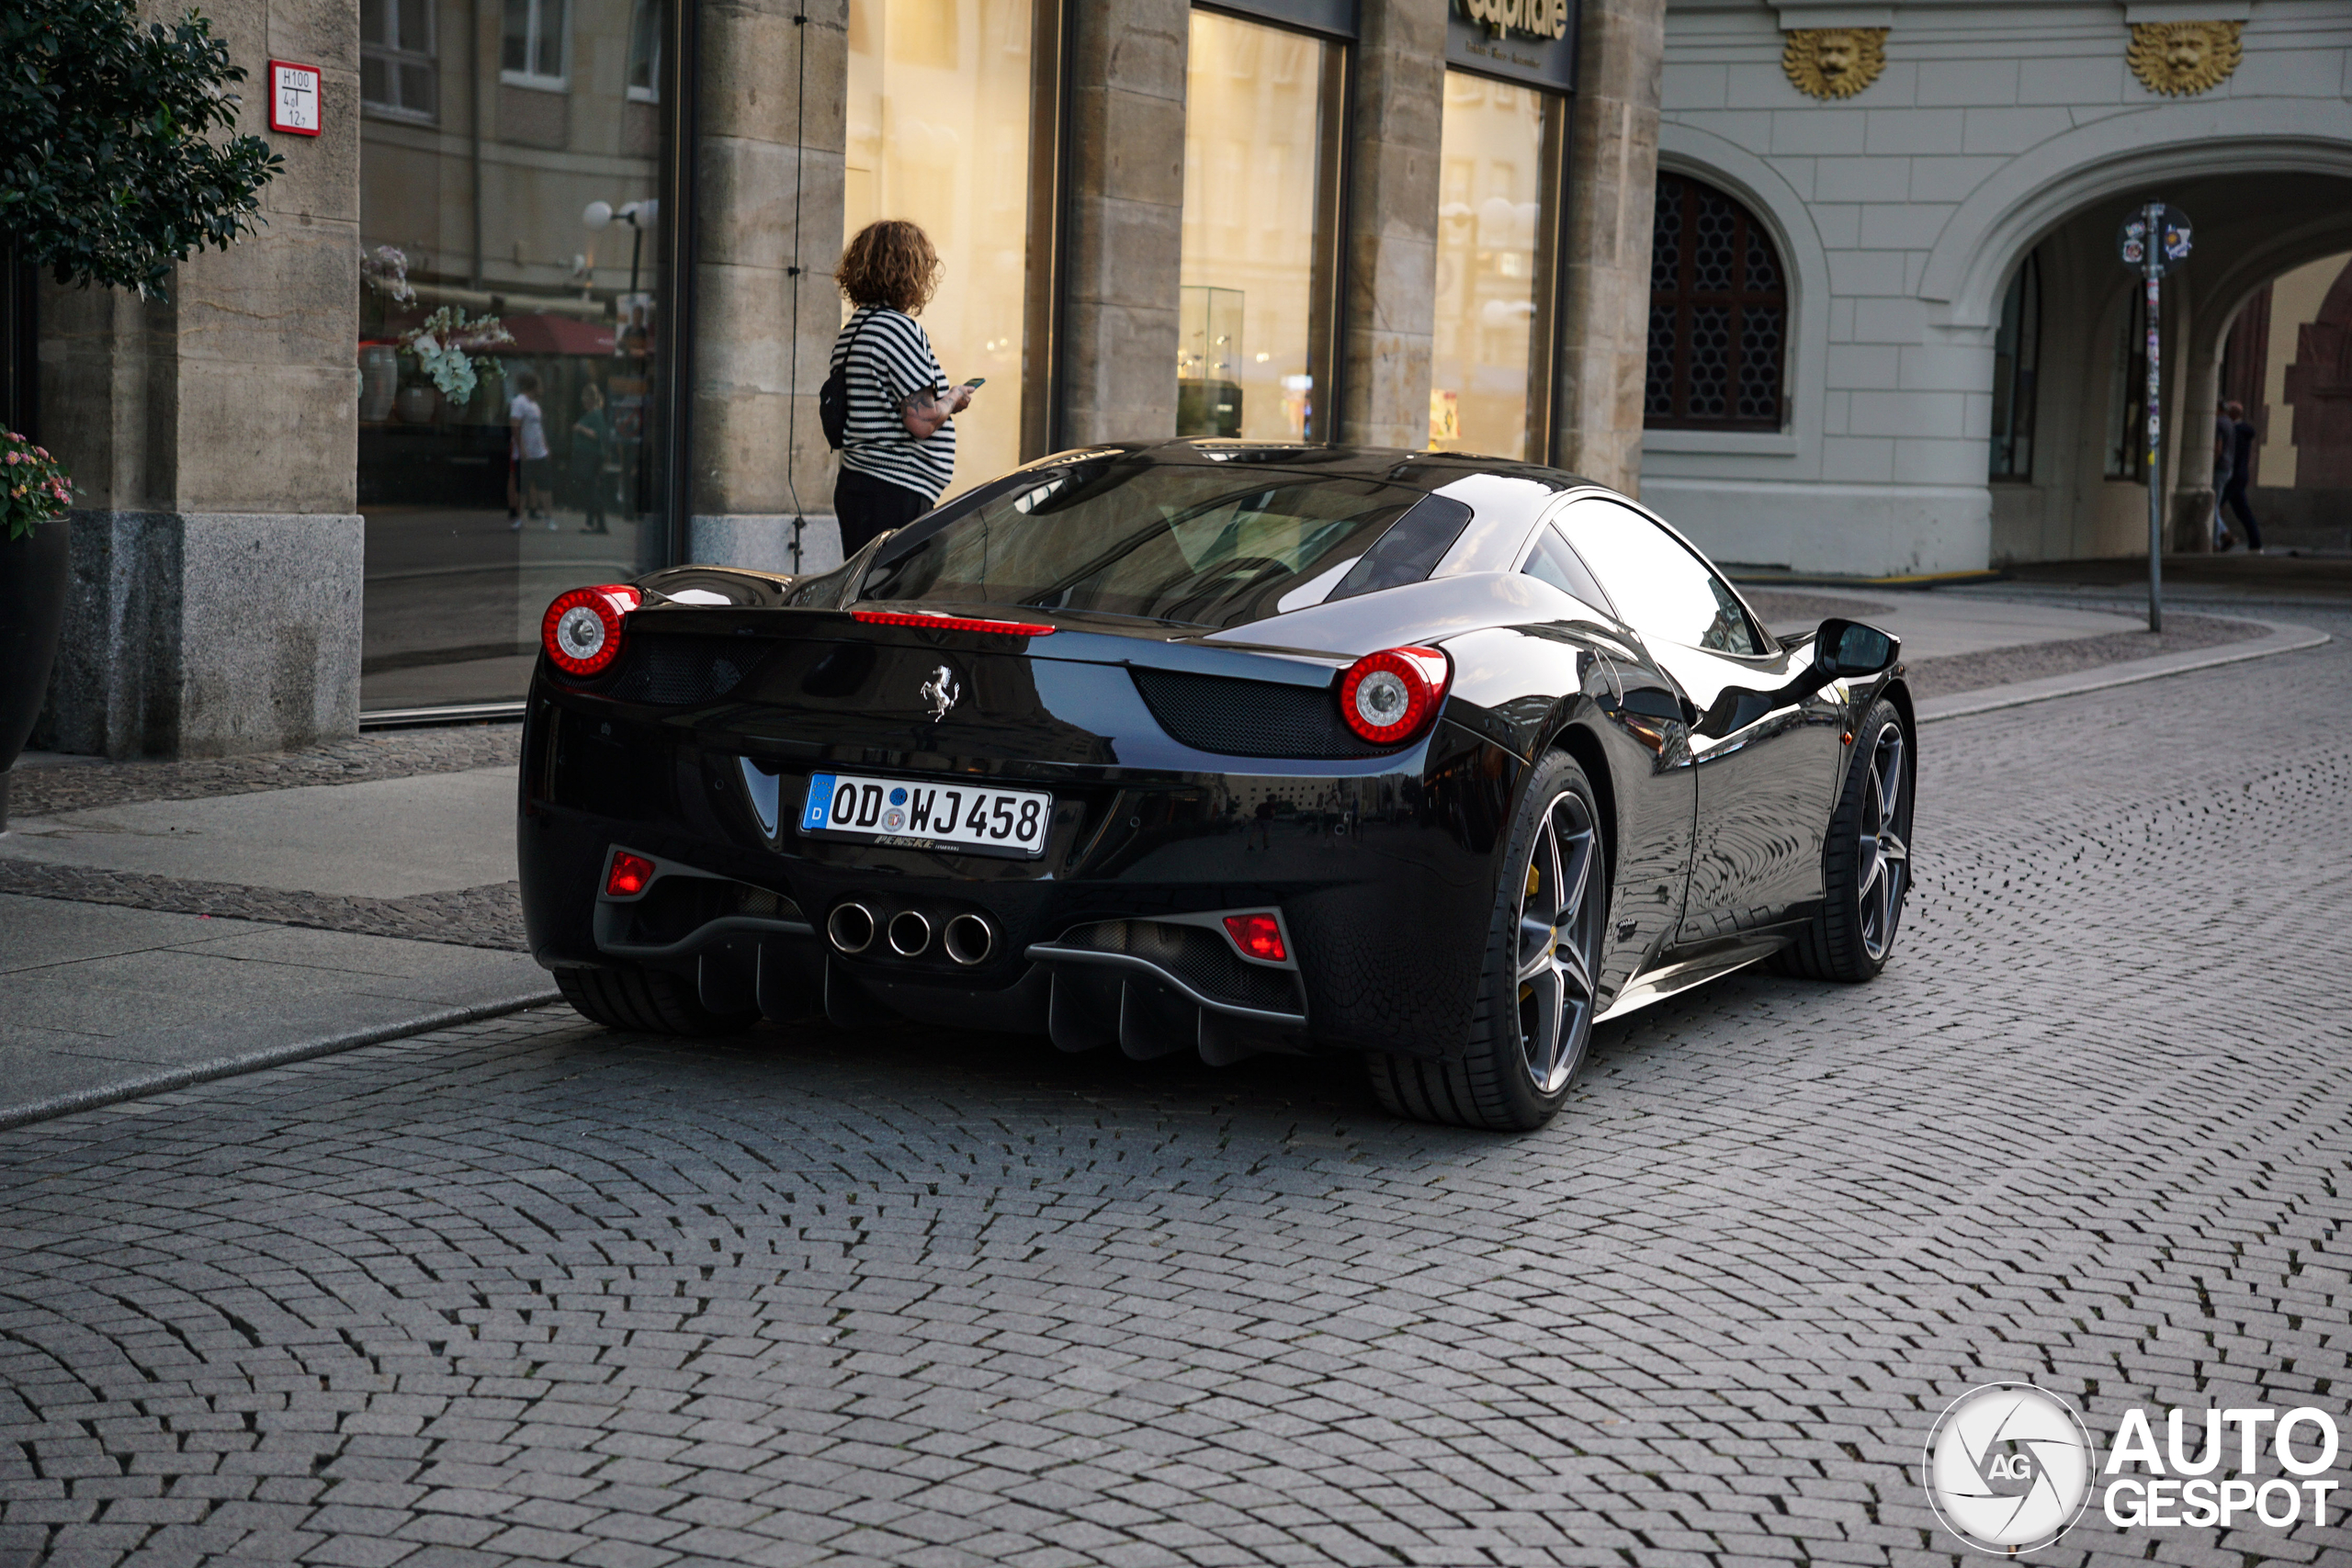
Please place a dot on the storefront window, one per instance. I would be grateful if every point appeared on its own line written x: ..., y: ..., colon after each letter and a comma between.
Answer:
x: 1492, y: 217
x: 507, y: 327
x: 1260, y: 175
x: 939, y: 133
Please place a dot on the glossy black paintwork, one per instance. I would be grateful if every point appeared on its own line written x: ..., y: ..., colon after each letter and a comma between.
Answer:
x: 1385, y: 868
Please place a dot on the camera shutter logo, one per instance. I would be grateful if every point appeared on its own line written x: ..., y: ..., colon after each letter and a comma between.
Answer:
x: 2008, y: 1467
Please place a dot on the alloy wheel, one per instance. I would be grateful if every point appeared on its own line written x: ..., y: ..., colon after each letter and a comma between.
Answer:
x: 1885, y: 859
x: 1559, y: 923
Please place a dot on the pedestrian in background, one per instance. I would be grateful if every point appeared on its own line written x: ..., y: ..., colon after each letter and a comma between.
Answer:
x: 2220, y: 472
x: 2241, y: 474
x: 898, y: 440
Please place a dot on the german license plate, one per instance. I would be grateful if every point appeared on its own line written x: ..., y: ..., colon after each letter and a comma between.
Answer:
x: 906, y: 815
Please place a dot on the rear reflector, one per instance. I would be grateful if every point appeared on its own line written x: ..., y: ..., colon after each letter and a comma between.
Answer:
x: 950, y: 623
x: 1258, y: 936
x: 629, y: 875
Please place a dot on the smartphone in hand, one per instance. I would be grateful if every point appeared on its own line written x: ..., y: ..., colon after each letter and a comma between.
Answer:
x: 978, y: 381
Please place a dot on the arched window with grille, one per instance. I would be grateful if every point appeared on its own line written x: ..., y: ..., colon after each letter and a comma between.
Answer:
x: 1719, y: 314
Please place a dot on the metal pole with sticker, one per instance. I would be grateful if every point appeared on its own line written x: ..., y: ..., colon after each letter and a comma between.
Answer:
x: 2154, y: 239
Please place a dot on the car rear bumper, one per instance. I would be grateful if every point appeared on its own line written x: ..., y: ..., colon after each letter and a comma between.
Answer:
x: 1381, y: 871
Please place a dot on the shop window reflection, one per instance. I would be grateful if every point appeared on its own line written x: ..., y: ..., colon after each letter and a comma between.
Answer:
x: 1491, y: 215
x: 532, y: 45
x: 507, y: 254
x: 397, y: 75
x: 1258, y: 174
x: 939, y: 133
x: 645, y: 52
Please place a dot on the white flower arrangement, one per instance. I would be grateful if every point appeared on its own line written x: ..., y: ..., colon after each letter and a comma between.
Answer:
x: 443, y: 345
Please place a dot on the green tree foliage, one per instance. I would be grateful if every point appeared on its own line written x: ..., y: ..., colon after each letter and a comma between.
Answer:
x: 108, y: 171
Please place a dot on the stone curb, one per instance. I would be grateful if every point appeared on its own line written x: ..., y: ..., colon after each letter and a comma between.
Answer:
x: 269, y: 1057
x: 2284, y: 637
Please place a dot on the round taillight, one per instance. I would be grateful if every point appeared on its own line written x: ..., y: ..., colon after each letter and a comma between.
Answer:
x: 1390, y: 696
x: 582, y: 630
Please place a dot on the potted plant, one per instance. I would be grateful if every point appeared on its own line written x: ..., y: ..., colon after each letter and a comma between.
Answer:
x: 34, y: 495
x: 113, y: 170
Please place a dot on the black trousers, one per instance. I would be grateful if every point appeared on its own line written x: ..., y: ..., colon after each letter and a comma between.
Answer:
x: 2233, y: 497
x: 868, y: 506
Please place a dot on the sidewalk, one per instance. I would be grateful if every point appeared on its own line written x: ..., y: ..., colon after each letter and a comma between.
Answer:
x: 148, y: 942
x: 166, y: 922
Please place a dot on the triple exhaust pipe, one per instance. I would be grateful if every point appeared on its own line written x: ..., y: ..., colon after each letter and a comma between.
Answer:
x: 968, y: 939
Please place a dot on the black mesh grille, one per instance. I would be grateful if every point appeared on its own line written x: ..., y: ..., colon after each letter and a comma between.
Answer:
x: 1251, y: 719
x: 1200, y: 958
x: 672, y: 671
x: 678, y: 906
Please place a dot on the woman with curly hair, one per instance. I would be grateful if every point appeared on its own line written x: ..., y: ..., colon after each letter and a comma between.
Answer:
x: 898, y: 447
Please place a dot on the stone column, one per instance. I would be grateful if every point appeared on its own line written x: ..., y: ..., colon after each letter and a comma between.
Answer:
x: 217, y: 554
x: 1391, y: 305
x: 1120, y: 298
x: 1605, y: 260
x: 759, y: 457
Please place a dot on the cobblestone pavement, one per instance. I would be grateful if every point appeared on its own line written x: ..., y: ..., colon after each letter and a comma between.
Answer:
x: 78, y: 785
x: 529, y: 1292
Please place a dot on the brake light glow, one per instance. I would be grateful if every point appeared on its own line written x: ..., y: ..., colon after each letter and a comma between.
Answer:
x: 950, y: 623
x: 1258, y: 936
x: 1390, y: 696
x: 628, y: 876
x: 582, y: 630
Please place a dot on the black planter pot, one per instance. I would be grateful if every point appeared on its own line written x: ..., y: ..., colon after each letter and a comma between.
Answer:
x: 33, y: 575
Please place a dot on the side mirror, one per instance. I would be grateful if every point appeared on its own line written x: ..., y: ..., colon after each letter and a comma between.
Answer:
x: 1849, y: 651
x: 1842, y: 650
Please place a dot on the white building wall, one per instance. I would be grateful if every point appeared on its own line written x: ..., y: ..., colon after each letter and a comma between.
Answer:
x: 1901, y: 211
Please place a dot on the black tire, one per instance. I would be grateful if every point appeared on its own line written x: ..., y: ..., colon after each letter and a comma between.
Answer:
x: 1852, y: 937
x: 1513, y: 1073
x: 645, y: 1002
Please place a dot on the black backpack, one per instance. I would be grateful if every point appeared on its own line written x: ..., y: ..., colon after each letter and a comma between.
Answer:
x: 832, y: 398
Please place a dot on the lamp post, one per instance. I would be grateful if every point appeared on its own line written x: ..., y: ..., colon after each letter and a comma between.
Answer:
x: 637, y: 215
x: 2153, y: 242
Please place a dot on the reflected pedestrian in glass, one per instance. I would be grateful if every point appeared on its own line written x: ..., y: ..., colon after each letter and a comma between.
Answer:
x: 528, y: 435
x: 898, y: 447
x: 592, y: 435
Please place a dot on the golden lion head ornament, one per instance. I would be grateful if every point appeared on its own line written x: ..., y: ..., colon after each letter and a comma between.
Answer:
x: 1834, y: 62
x: 2184, y: 57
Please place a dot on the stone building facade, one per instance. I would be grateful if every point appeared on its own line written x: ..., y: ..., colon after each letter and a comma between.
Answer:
x: 548, y: 301
x: 1991, y: 155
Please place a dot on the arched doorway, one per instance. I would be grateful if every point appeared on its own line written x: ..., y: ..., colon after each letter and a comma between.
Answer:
x: 2079, y: 488
x: 2287, y: 360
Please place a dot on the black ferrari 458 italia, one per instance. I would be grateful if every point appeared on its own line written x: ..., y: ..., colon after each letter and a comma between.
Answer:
x: 1220, y: 747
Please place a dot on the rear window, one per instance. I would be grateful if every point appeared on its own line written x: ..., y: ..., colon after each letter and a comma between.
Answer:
x: 1197, y: 545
